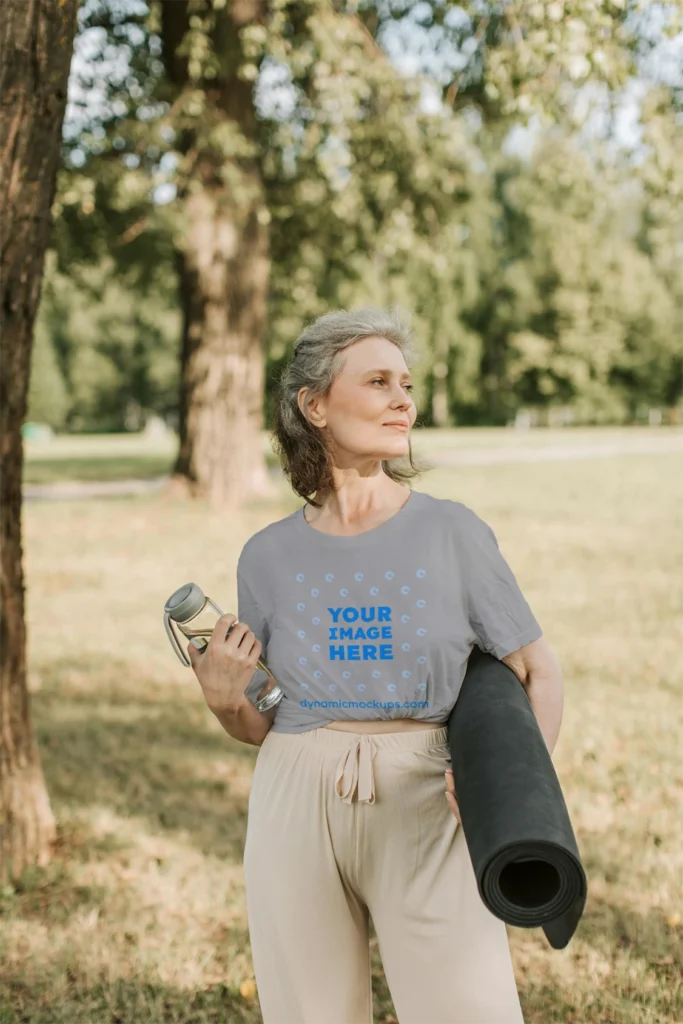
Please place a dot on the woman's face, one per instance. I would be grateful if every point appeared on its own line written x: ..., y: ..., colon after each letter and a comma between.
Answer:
x: 372, y: 389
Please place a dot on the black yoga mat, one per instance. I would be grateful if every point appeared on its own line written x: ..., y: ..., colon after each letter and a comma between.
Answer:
x: 513, y: 814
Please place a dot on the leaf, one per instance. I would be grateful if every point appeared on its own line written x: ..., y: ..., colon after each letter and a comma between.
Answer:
x: 248, y: 988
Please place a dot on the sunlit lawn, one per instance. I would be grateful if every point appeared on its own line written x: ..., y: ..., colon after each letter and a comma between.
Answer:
x: 97, y: 457
x: 135, y: 456
x: 142, y: 916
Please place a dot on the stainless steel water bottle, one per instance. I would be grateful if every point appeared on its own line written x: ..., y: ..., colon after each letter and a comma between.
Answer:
x: 190, y: 614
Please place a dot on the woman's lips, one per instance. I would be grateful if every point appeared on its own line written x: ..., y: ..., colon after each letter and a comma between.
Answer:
x: 397, y: 426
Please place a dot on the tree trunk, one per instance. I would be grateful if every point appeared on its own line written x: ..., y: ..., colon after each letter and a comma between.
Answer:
x: 223, y: 275
x: 223, y: 267
x: 36, y: 44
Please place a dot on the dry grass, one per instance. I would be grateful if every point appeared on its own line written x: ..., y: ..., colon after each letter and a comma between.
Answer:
x: 141, y: 917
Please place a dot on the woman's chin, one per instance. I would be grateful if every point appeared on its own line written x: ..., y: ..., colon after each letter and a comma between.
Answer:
x: 395, y: 452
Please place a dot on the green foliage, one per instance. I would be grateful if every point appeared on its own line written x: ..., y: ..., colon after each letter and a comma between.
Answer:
x: 117, y: 346
x: 543, y: 280
x: 48, y: 399
x: 586, y: 319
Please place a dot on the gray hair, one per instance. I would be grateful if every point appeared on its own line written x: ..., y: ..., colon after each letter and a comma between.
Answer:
x: 315, y: 363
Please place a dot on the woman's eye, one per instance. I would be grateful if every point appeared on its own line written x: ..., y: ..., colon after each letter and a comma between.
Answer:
x: 408, y: 387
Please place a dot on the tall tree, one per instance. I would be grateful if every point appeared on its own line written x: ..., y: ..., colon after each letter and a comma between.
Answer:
x: 36, y: 44
x: 253, y: 183
x: 223, y: 261
x: 323, y: 168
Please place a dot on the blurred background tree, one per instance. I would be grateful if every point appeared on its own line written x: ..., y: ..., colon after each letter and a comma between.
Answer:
x: 509, y: 171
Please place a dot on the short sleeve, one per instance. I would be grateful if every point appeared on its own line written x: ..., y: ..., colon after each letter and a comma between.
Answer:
x: 498, y: 611
x: 249, y: 612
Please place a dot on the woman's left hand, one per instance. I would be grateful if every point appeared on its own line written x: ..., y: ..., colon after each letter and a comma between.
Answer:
x: 450, y: 793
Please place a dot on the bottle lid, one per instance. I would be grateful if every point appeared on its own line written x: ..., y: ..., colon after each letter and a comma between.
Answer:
x: 185, y: 602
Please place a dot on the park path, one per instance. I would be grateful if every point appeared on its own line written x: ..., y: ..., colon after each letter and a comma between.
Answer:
x: 464, y: 457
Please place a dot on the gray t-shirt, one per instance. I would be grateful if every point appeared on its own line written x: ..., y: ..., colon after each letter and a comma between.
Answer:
x: 380, y: 625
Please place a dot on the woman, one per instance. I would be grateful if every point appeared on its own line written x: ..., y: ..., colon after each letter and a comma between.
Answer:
x: 366, y: 603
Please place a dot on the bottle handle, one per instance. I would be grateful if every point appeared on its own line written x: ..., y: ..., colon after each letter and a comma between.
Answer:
x: 175, y: 644
x: 173, y: 633
x: 270, y: 699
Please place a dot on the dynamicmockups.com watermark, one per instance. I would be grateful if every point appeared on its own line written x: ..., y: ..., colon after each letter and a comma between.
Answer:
x: 364, y: 704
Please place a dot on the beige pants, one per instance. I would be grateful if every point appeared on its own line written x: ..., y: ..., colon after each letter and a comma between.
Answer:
x: 342, y: 825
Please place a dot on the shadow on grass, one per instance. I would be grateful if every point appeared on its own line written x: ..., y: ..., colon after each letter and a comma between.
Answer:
x: 121, y: 467
x: 641, y: 960
x: 154, y: 757
x: 50, y: 895
x: 52, y: 890
x: 125, y: 1002
x: 618, y: 925
x: 90, y: 468
x: 138, y: 1000
x: 645, y: 955
x: 64, y: 988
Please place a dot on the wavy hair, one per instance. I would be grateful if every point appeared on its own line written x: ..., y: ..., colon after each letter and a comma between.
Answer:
x: 316, y: 361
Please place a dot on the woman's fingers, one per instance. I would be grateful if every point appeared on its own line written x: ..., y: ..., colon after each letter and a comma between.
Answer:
x: 194, y: 655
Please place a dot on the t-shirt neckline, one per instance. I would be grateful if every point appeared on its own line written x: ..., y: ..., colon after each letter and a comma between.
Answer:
x: 367, y: 536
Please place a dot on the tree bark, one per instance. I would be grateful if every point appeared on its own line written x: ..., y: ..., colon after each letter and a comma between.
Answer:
x: 36, y: 44
x: 222, y: 371
x: 223, y: 267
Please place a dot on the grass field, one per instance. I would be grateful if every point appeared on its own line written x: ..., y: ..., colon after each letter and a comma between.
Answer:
x: 141, y: 917
x: 134, y: 456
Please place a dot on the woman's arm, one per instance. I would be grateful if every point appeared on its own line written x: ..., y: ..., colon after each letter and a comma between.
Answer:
x: 538, y: 669
x: 245, y: 722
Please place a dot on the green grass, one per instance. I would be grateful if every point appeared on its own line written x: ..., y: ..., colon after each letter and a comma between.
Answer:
x: 106, y: 457
x: 97, y: 457
x: 141, y: 917
x: 133, y: 467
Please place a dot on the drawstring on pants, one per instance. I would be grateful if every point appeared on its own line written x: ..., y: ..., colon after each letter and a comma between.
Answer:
x: 354, y: 771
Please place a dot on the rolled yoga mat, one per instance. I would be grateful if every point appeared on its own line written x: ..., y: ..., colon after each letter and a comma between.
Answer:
x: 512, y: 810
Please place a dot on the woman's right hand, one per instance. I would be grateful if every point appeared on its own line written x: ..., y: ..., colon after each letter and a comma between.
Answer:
x: 227, y: 664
